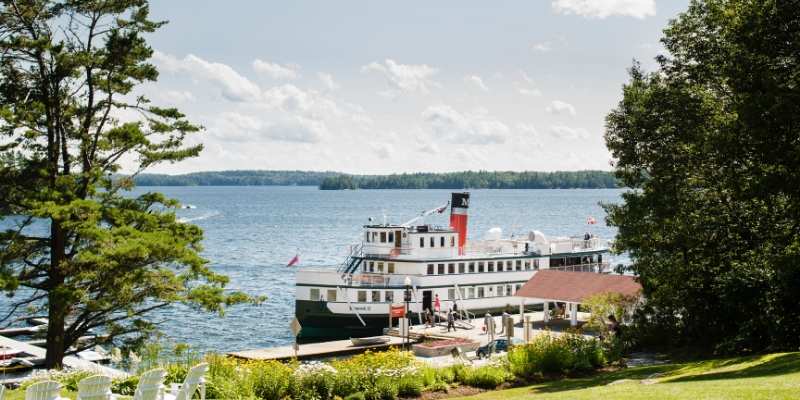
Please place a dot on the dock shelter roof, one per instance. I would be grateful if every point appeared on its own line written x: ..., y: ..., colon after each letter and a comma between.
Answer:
x: 575, y: 287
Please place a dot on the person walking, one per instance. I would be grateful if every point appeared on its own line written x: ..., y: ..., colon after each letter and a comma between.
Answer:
x: 451, y: 320
x: 428, y: 317
x: 504, y: 321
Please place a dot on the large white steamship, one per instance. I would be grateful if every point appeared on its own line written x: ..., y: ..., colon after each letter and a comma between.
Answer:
x: 475, y: 276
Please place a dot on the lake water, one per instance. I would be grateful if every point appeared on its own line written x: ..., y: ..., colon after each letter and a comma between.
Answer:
x: 252, y: 232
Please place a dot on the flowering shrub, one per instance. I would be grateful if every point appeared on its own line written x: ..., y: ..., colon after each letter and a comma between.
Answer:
x: 551, y: 354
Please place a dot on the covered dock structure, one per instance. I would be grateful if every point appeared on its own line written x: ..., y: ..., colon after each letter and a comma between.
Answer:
x: 573, y: 288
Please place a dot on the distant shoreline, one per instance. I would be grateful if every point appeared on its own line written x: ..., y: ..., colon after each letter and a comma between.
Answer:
x: 330, y: 180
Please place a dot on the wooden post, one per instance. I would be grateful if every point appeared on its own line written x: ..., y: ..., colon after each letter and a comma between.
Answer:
x: 527, y: 326
x: 546, y: 308
x: 573, y: 317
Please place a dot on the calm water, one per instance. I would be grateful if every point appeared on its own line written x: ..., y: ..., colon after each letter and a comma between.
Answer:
x: 252, y: 232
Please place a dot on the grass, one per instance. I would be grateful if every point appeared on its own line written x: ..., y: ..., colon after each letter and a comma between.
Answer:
x: 773, y: 376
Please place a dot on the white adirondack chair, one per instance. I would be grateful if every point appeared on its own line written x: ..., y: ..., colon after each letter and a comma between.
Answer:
x: 97, y: 387
x: 2, y: 392
x: 195, y: 379
x: 151, y: 385
x: 44, y: 390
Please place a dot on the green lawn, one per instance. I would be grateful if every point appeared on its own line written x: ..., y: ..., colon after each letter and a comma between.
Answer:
x: 773, y: 376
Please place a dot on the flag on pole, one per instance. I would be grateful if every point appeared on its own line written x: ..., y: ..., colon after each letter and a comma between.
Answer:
x: 294, y: 261
x: 442, y: 208
x: 591, y: 221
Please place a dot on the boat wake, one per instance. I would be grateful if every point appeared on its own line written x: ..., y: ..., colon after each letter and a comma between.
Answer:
x: 199, y: 217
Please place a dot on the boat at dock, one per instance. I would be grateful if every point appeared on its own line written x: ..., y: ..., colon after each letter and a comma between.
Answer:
x: 443, y: 270
x: 370, y: 341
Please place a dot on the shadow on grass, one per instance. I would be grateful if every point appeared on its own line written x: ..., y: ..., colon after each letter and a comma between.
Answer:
x: 778, y: 365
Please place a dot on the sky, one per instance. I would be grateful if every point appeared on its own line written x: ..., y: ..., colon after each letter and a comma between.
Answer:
x: 374, y: 87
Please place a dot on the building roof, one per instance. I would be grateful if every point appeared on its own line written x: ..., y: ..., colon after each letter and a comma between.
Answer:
x: 575, y: 287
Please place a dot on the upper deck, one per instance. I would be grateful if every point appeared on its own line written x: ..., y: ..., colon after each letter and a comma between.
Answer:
x: 429, y: 242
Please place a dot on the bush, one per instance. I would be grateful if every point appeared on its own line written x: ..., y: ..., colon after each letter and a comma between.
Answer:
x: 486, y: 377
x: 125, y: 386
x: 412, y: 386
x: 548, y: 354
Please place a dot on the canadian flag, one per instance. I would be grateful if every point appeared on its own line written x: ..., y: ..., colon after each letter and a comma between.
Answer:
x: 294, y: 261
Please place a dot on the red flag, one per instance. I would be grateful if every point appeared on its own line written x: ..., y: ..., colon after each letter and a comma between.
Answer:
x: 442, y: 208
x: 591, y: 221
x: 294, y: 260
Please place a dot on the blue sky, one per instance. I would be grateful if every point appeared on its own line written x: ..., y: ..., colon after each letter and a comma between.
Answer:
x: 373, y: 87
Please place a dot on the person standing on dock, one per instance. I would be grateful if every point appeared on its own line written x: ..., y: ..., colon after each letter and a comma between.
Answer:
x: 451, y: 320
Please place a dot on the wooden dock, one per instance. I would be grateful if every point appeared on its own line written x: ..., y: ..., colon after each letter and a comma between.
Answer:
x: 314, y: 350
x: 69, y: 361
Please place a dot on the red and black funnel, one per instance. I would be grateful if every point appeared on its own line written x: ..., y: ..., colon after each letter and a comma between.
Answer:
x: 459, y: 205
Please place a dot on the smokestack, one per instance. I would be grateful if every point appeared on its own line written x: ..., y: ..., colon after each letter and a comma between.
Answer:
x: 458, y: 217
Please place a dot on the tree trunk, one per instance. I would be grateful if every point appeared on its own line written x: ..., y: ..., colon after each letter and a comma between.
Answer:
x: 57, y: 300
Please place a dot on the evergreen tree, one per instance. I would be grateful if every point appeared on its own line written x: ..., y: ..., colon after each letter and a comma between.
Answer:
x: 80, y: 249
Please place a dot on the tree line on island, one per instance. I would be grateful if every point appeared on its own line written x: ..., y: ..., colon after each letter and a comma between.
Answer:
x: 327, y: 180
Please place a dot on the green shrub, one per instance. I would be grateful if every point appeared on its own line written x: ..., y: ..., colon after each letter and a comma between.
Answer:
x: 271, y: 380
x: 549, y: 354
x: 125, y: 386
x: 412, y: 386
x: 486, y: 377
x: 356, y: 396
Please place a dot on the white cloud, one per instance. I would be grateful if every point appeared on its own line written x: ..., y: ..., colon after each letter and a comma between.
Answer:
x: 275, y: 70
x: 177, y: 96
x: 382, y: 150
x: 234, y: 87
x: 527, y: 129
x: 541, y: 47
x: 477, y: 81
x: 565, y: 132
x: 559, y: 107
x: 237, y: 127
x: 529, y: 92
x: 404, y: 78
x: 475, y: 128
x: 605, y: 8
x: 327, y: 80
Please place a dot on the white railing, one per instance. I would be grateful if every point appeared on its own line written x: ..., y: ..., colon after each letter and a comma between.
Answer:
x: 602, y: 267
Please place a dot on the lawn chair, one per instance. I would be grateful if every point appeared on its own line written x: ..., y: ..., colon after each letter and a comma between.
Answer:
x: 97, y: 387
x: 44, y: 390
x: 195, y: 379
x: 2, y: 391
x: 459, y: 356
x: 151, y: 385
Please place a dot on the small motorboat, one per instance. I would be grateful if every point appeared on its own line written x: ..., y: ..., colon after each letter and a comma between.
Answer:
x: 370, y: 341
x: 15, y: 364
x: 7, y: 353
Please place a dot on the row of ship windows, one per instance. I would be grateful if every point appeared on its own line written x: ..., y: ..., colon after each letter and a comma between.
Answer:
x: 382, y: 237
x: 481, y: 266
x: 377, y: 267
x: 387, y: 296
x: 432, y: 241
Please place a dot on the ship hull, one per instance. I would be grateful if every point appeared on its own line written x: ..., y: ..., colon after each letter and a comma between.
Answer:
x: 320, y: 324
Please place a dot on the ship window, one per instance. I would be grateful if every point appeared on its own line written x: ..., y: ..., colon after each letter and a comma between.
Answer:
x: 433, y: 241
x: 383, y: 237
x: 389, y: 296
x: 480, y: 292
x: 376, y: 296
x: 452, y: 241
x: 314, y: 295
x: 362, y: 296
x: 471, y: 293
x: 519, y: 265
x: 490, y: 266
x: 440, y: 269
x: 471, y: 267
x: 374, y: 236
x: 451, y: 294
x: 331, y: 294
x: 460, y: 268
x: 462, y: 291
x: 516, y: 287
x: 527, y: 264
x: 367, y: 235
x: 500, y: 290
x: 441, y: 241
x: 508, y: 290
x: 509, y: 265
x: 391, y: 237
x: 536, y: 264
x: 380, y: 267
x: 480, y: 266
x: 422, y: 242
x: 371, y: 266
x: 390, y: 268
x: 430, y: 269
x: 451, y: 268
